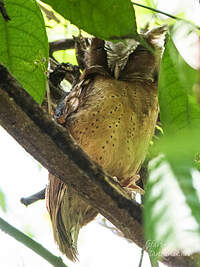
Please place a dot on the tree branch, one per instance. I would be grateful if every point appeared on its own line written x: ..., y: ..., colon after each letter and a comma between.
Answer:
x: 53, y: 147
x: 62, y: 44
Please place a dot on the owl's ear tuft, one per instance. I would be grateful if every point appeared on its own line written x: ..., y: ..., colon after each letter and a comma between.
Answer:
x: 156, y: 37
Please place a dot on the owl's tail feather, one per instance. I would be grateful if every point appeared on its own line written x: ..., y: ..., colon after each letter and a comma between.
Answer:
x: 68, y: 214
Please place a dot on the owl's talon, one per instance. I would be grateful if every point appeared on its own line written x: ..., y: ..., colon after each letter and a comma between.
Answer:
x: 129, y: 185
x: 115, y: 179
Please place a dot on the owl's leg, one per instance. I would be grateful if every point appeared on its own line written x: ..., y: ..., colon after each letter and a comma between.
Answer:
x: 130, y: 185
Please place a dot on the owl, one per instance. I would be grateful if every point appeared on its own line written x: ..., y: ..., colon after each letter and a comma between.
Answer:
x: 111, y: 112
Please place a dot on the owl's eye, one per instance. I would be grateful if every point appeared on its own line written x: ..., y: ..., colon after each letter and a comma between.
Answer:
x: 99, y: 48
x: 140, y: 48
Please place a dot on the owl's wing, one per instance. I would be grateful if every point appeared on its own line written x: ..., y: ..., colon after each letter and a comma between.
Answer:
x: 71, y: 102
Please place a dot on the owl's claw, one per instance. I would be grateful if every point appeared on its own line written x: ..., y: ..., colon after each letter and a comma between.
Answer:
x: 133, y: 189
x: 130, y: 186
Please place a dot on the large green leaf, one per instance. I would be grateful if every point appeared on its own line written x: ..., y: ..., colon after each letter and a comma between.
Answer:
x: 171, y: 215
x: 104, y: 19
x: 24, y: 46
x: 170, y: 186
x: 180, y: 116
x: 178, y: 106
x: 158, y: 218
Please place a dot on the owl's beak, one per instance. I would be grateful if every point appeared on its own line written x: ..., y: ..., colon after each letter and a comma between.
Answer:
x: 116, y: 71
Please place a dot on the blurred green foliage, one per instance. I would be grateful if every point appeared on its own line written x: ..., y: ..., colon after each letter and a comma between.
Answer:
x: 170, y: 185
x: 3, y: 201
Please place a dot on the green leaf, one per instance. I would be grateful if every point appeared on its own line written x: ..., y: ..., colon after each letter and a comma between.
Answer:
x: 178, y: 104
x: 104, y: 19
x: 2, y: 200
x: 171, y: 215
x: 24, y: 46
x: 180, y: 116
x: 197, y: 161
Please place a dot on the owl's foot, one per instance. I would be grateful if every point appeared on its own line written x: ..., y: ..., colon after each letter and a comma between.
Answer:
x: 130, y: 186
x: 132, y: 189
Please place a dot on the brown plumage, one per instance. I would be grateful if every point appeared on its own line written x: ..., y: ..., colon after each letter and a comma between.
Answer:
x: 111, y: 113
x: 68, y: 214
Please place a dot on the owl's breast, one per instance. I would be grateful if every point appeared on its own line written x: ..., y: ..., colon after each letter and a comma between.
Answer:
x: 115, y: 123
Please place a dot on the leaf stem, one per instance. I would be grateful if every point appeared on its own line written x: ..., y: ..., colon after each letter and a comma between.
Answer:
x: 163, y: 13
x: 30, y: 243
x: 141, y: 258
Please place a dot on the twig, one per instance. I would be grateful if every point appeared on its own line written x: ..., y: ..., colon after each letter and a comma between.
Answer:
x: 49, y: 102
x: 33, y: 198
x: 163, y: 13
x: 3, y: 11
x: 30, y: 243
x: 62, y: 44
x: 141, y: 257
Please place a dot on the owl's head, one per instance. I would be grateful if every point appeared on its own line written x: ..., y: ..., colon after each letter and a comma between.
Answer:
x: 130, y: 59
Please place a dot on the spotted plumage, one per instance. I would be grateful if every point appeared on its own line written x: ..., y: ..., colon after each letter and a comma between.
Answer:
x: 111, y: 113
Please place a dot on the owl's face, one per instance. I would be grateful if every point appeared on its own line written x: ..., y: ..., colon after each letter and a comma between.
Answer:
x: 130, y: 56
x: 118, y: 54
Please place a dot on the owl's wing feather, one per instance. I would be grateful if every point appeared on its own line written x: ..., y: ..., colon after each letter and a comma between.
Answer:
x: 72, y: 100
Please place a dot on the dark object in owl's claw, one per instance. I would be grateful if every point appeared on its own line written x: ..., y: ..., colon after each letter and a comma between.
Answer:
x: 60, y: 72
x: 3, y: 11
x: 60, y: 107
